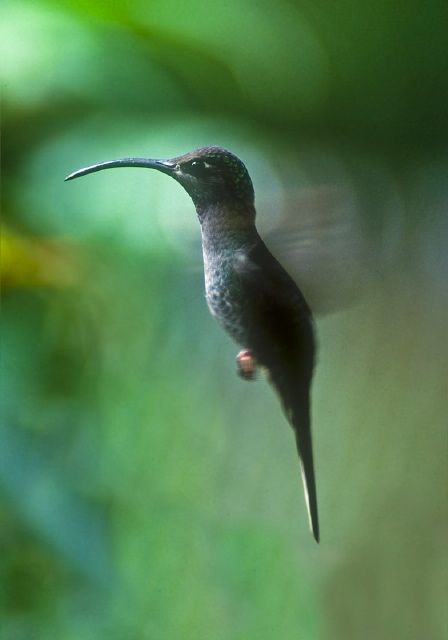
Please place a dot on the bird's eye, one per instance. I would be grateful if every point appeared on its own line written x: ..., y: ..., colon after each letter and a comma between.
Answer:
x: 197, y: 168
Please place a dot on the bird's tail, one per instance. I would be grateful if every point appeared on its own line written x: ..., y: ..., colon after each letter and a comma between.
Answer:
x: 295, y: 400
x: 299, y: 416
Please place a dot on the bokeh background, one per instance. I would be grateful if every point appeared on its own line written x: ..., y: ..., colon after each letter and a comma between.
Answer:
x: 147, y: 492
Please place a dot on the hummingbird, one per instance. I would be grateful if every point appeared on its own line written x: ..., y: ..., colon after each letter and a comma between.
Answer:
x: 248, y: 292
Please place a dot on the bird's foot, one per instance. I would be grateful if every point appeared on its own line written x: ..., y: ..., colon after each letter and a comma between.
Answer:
x: 246, y: 365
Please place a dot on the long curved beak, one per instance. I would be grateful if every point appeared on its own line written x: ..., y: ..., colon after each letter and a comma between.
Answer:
x: 165, y: 166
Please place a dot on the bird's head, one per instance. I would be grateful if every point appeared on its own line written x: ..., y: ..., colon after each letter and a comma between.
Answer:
x: 211, y: 175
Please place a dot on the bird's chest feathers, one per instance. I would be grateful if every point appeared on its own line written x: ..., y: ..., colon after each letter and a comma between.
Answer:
x: 225, y: 238
x: 222, y: 285
x: 224, y: 293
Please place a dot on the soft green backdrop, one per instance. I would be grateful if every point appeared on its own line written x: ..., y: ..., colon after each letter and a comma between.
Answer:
x: 147, y: 492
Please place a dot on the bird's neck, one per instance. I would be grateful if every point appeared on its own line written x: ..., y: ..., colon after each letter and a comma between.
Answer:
x: 227, y: 227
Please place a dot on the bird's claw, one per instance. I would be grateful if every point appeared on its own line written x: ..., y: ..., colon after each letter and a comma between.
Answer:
x: 246, y: 365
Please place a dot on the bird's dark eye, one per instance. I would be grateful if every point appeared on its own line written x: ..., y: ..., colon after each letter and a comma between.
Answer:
x: 197, y: 168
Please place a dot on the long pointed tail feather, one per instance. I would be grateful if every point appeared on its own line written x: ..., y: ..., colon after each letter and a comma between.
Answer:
x: 300, y: 421
x: 294, y: 394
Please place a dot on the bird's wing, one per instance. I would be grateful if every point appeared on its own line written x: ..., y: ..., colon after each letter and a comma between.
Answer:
x: 279, y: 317
x: 281, y: 339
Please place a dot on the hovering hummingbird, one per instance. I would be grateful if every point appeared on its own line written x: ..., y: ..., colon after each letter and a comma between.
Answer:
x: 248, y: 292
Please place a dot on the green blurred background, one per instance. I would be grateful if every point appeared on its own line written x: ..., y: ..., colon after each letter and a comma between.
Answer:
x: 147, y: 492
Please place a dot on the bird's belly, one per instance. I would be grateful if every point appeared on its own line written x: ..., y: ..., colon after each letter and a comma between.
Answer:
x: 228, y: 310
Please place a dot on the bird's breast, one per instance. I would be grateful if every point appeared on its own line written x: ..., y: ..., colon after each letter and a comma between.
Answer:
x: 224, y: 296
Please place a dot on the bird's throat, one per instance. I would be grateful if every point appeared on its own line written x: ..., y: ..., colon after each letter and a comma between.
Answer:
x: 227, y: 227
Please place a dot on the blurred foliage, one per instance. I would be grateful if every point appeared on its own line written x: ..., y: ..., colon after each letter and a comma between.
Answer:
x: 146, y: 491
